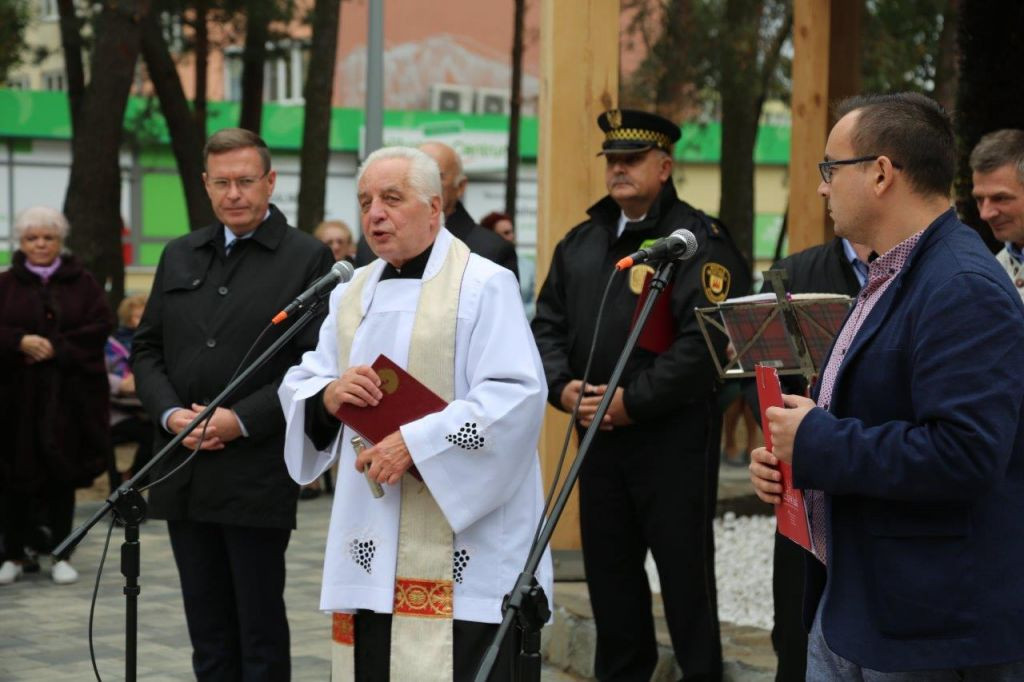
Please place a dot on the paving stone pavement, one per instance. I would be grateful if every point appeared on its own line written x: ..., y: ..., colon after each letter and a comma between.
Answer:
x: 43, y: 629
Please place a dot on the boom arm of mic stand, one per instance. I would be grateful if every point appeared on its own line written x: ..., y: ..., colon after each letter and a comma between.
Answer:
x: 76, y: 536
x: 525, y: 580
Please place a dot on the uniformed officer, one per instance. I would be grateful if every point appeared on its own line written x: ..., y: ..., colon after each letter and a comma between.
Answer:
x: 650, y: 478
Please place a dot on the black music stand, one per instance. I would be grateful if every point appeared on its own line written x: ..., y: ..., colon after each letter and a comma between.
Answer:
x: 792, y: 333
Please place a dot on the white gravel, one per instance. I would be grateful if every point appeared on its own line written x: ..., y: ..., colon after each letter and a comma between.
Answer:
x: 743, y: 569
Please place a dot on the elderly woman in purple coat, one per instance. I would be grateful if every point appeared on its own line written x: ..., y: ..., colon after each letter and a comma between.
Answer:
x: 54, y: 320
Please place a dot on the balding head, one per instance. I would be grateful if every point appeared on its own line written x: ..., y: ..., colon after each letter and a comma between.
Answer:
x: 453, y: 181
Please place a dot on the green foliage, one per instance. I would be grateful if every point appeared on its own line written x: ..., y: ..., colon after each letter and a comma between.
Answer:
x: 697, y: 47
x: 900, y: 44
x: 230, y: 14
x: 14, y: 17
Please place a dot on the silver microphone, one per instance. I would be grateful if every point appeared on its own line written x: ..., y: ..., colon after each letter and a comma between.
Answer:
x: 681, y: 244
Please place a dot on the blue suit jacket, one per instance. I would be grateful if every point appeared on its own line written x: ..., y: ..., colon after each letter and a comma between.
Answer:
x: 921, y: 453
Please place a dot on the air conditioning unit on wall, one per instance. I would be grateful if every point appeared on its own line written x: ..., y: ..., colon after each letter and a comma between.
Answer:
x: 453, y: 98
x: 491, y: 101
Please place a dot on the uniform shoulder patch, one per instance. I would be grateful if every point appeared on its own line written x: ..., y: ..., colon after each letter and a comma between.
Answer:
x: 715, y: 279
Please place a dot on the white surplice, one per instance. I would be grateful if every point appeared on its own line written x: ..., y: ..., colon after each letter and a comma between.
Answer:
x: 490, y: 492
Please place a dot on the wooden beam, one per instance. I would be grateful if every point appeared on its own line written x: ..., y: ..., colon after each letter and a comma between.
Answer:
x: 826, y: 67
x: 579, y: 64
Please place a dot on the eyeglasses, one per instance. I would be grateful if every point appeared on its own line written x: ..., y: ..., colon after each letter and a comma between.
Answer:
x: 826, y: 167
x: 243, y: 184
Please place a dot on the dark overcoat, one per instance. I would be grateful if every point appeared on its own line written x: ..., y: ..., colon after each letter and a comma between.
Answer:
x: 204, y: 313
x: 54, y: 414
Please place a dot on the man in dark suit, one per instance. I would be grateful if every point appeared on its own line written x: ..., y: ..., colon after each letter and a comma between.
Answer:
x: 231, y: 510
x: 912, y: 454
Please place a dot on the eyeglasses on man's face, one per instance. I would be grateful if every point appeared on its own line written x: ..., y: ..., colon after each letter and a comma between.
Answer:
x: 826, y: 168
x: 243, y: 184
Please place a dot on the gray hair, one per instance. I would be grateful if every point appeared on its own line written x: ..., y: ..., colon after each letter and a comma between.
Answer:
x: 998, y: 149
x: 41, y: 216
x: 423, y: 176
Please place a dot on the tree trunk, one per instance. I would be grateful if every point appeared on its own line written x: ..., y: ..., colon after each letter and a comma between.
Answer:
x: 316, y: 130
x: 202, y: 61
x: 71, y: 42
x: 186, y: 141
x: 254, y: 59
x: 989, y: 96
x: 945, y: 67
x: 673, y: 49
x: 742, y: 96
x: 93, y: 199
x: 740, y: 114
x: 515, y: 105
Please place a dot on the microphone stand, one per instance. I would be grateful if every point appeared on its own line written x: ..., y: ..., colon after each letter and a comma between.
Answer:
x: 129, y: 505
x: 526, y: 604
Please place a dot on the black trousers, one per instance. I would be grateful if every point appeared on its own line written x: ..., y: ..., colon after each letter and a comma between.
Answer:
x: 634, y: 497
x: 232, y: 582
x: 24, y: 514
x: 789, y: 636
x: 470, y: 642
x: 131, y: 430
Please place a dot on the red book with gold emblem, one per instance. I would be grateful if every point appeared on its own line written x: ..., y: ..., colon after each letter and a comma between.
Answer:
x: 405, y: 400
x: 791, y: 514
x: 660, y: 330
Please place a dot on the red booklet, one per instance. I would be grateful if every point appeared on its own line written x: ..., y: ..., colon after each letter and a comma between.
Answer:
x: 660, y: 331
x: 791, y: 514
x: 405, y: 400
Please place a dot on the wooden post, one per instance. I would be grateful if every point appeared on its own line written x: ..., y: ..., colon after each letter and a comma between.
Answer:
x: 826, y: 67
x: 579, y: 63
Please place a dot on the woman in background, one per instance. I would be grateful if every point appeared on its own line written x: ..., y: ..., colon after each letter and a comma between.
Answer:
x: 128, y: 421
x: 338, y: 238
x: 54, y: 320
x: 501, y: 225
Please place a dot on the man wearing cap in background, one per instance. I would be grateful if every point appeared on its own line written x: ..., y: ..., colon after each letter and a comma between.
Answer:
x: 650, y: 478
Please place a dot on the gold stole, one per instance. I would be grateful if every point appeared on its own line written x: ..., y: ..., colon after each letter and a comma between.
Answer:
x: 421, y: 629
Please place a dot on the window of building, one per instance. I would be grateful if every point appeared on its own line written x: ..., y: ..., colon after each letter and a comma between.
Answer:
x: 19, y: 82
x: 55, y: 80
x: 48, y: 10
x: 284, y: 72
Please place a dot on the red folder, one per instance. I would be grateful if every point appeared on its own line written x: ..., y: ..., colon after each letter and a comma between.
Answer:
x: 791, y: 514
x: 405, y: 400
x: 660, y: 331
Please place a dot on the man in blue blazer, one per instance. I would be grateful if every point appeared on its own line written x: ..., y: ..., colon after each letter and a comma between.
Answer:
x: 912, y: 453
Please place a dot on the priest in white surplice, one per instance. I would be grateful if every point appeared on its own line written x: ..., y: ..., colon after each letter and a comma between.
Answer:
x: 423, y: 568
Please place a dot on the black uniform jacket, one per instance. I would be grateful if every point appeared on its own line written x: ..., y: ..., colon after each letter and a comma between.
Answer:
x: 658, y: 388
x: 481, y: 240
x: 204, y: 313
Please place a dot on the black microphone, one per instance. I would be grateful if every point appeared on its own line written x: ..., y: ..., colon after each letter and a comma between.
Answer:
x: 680, y: 244
x: 341, y: 272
